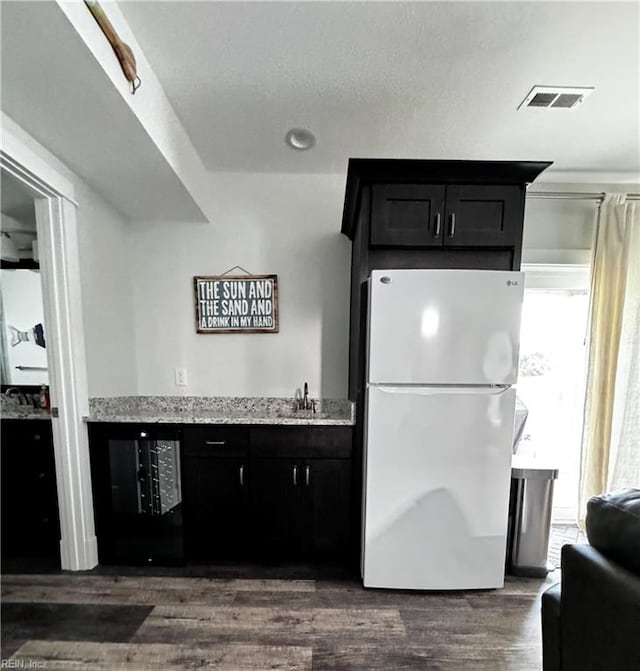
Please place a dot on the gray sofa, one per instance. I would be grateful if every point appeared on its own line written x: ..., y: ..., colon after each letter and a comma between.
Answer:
x: 591, y: 620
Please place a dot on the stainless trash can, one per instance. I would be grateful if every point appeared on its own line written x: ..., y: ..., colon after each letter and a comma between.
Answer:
x: 530, y: 517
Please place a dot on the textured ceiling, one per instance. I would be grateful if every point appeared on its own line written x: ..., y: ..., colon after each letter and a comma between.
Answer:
x: 411, y: 80
x: 55, y: 89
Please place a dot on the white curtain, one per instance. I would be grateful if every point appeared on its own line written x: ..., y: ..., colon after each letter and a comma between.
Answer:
x: 611, y: 434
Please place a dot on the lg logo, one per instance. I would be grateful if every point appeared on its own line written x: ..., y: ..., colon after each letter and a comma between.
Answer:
x: 512, y: 283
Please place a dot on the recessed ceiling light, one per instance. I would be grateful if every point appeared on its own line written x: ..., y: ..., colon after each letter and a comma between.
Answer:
x: 558, y: 97
x: 300, y: 139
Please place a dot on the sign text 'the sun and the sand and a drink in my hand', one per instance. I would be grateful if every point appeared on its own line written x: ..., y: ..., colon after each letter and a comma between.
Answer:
x: 236, y: 304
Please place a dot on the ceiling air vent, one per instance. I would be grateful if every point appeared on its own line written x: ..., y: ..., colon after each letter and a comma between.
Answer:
x: 564, y: 97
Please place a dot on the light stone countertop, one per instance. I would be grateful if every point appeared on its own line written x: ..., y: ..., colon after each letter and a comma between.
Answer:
x: 219, y: 410
x: 16, y: 411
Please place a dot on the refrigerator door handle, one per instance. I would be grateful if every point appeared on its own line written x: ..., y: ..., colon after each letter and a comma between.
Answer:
x: 489, y: 390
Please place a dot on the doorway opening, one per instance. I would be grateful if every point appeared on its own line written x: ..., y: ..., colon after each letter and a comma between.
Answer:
x: 30, y: 517
x: 552, y: 375
x: 25, y: 166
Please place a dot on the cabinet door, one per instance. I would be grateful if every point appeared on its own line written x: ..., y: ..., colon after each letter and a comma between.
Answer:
x: 30, y: 519
x: 327, y: 486
x: 478, y: 215
x: 216, y: 507
x: 407, y: 215
x: 276, y: 504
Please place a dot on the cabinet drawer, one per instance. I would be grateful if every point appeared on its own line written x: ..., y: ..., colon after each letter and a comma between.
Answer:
x: 302, y: 442
x: 216, y: 441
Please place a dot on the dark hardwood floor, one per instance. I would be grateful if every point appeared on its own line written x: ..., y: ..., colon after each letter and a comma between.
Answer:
x: 286, y: 618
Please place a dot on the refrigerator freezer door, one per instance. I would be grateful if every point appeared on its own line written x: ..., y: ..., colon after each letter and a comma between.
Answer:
x: 437, y: 475
x: 444, y: 326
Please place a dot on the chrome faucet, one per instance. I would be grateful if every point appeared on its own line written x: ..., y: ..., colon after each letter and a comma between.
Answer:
x: 19, y: 394
x: 304, y: 402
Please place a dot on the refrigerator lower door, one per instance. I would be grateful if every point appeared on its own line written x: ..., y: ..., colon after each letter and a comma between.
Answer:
x: 436, y: 495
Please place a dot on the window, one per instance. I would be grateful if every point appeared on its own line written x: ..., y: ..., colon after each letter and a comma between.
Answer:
x: 551, y: 375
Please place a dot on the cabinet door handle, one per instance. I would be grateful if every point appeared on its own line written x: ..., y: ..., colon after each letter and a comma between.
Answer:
x: 215, y: 442
x: 437, y: 229
x: 242, y: 476
x: 452, y: 224
x: 295, y: 476
x: 307, y: 471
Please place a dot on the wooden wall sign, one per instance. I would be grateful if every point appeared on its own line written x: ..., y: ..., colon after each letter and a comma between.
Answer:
x: 236, y: 303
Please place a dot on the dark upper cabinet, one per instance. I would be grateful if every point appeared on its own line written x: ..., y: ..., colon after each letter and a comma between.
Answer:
x: 407, y: 215
x: 425, y: 215
x: 480, y: 216
x: 400, y: 198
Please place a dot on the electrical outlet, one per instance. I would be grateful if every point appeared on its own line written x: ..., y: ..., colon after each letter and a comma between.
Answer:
x: 181, y: 377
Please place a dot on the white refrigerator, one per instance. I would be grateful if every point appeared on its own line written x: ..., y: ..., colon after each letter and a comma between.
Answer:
x: 442, y: 354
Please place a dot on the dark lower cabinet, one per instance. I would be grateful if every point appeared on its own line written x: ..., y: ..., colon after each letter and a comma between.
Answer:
x: 30, y: 518
x: 215, y: 476
x: 247, y: 493
x: 302, y: 507
x: 328, y: 494
x: 277, y: 505
x: 267, y: 492
x: 301, y: 490
x: 216, y: 507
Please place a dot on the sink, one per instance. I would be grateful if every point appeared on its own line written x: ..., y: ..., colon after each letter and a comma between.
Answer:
x: 309, y: 414
x: 298, y: 414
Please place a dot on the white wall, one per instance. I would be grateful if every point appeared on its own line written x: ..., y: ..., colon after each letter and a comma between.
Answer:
x: 288, y: 225
x: 107, y: 303
x: 283, y: 224
x: 106, y: 282
x: 137, y: 283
